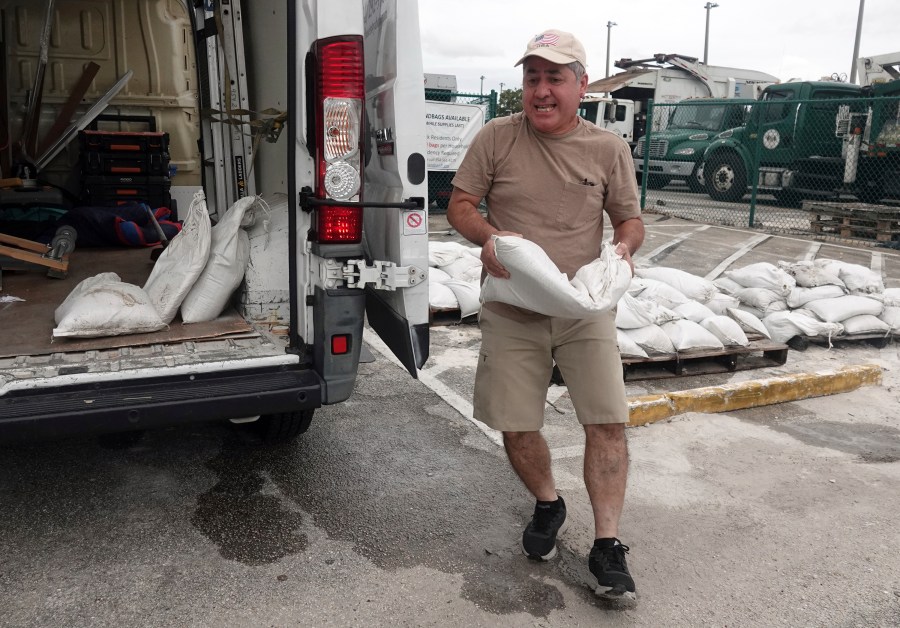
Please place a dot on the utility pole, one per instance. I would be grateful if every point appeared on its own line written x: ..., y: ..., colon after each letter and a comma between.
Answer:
x: 481, y: 89
x: 501, y: 87
x: 609, y: 26
x: 709, y: 5
x: 862, y: 4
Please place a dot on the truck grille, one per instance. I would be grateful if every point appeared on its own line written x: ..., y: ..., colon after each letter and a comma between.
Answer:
x: 658, y: 148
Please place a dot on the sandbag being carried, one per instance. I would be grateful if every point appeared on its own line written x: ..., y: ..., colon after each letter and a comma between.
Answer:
x: 537, y: 284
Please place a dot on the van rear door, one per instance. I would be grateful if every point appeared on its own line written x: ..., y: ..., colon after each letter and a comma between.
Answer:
x: 395, y: 175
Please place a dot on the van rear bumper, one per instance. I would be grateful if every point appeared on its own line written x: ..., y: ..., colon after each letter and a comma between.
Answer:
x: 156, y: 402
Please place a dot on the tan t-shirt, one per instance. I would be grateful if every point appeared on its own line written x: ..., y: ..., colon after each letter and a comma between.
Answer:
x: 553, y: 189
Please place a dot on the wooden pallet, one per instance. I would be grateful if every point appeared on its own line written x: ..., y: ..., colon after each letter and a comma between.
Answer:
x: 758, y: 354
x: 877, y: 340
x: 854, y: 220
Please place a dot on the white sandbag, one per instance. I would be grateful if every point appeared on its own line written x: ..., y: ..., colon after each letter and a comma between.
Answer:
x: 891, y: 316
x: 627, y: 347
x: 841, y: 308
x: 443, y: 253
x: 181, y: 262
x: 467, y: 294
x: 721, y: 302
x: 800, y: 296
x: 858, y: 279
x: 229, y: 252
x: 636, y: 286
x: 783, y: 326
x: 83, y: 287
x: 691, y: 286
x: 748, y: 322
x: 687, y: 335
x: 726, y: 285
x: 763, y: 275
x: 537, y: 284
x: 436, y: 275
x: 725, y: 329
x: 811, y: 275
x: 693, y: 311
x: 440, y: 297
x: 763, y: 299
x: 651, y: 339
x: 865, y: 324
x: 474, y: 251
x: 891, y: 297
x: 633, y: 312
x: 662, y: 293
x: 749, y: 309
x: 464, y: 268
x: 108, y: 308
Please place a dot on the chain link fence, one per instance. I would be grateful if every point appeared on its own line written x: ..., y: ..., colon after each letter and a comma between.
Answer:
x: 815, y: 159
x: 451, y: 125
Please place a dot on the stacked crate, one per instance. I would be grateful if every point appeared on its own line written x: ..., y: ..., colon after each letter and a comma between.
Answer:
x: 122, y: 167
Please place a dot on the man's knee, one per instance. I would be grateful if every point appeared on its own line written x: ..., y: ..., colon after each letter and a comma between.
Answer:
x: 605, y: 431
x: 520, y: 439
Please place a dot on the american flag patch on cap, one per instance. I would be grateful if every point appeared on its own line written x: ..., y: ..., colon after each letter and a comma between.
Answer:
x: 546, y: 39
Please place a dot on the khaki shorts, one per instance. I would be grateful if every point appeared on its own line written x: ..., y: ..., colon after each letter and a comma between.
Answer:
x: 516, y: 362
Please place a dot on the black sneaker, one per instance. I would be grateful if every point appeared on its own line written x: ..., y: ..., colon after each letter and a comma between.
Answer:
x: 607, y: 563
x: 539, y: 537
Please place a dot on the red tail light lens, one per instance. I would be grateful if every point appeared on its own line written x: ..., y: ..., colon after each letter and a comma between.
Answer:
x: 339, y: 98
x: 339, y: 225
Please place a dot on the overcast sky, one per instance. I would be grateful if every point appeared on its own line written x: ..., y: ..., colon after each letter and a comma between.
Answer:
x: 805, y: 39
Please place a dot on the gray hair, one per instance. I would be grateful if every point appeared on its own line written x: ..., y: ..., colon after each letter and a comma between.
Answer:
x: 577, y: 68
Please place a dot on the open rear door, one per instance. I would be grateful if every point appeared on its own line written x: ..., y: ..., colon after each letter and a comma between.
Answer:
x: 395, y: 173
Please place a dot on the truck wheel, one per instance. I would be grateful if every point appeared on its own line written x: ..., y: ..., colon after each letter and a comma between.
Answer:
x: 694, y: 183
x: 726, y: 179
x: 284, y: 426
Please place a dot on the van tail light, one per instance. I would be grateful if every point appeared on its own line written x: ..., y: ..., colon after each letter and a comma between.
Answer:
x: 339, y: 105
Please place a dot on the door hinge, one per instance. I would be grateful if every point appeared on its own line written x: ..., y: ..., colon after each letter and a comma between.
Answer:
x: 356, y: 273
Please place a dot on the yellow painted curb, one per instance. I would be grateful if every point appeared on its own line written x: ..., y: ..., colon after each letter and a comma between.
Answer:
x: 751, y: 394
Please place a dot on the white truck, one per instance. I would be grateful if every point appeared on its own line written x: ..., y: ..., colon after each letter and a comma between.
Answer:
x: 671, y: 78
x: 315, y: 105
x: 613, y: 114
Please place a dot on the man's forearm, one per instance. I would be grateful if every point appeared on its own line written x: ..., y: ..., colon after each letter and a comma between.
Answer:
x: 630, y: 233
x: 468, y: 221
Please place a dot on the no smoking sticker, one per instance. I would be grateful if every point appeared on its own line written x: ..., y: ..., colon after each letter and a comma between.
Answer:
x: 414, y: 223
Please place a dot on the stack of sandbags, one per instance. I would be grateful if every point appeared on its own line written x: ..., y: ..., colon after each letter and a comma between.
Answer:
x: 667, y: 310
x: 454, y: 274
x: 824, y: 297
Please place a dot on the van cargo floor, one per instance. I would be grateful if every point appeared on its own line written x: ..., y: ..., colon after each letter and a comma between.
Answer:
x: 26, y: 326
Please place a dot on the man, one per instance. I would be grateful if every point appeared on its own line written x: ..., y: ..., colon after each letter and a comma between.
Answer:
x: 548, y: 175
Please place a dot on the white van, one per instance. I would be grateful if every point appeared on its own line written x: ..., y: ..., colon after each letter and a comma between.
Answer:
x: 317, y: 107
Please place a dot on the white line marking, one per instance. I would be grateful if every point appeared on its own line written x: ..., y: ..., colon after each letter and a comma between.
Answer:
x: 877, y: 263
x: 454, y: 400
x: 575, y: 451
x: 741, y: 252
x: 812, y: 251
x: 555, y: 392
x: 668, y: 245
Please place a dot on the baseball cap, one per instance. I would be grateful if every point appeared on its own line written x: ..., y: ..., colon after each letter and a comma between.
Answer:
x: 556, y: 46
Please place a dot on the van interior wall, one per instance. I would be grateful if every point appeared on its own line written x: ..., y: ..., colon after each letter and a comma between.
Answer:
x: 152, y: 38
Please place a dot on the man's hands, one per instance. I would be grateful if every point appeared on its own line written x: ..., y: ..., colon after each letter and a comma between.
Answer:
x: 621, y: 249
x: 489, y: 259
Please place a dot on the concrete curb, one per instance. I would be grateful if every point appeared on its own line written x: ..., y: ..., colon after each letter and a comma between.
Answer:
x: 751, y: 394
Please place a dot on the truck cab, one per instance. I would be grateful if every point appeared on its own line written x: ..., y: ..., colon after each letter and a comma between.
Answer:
x: 613, y: 114
x: 314, y: 107
x: 793, y: 125
x: 690, y: 126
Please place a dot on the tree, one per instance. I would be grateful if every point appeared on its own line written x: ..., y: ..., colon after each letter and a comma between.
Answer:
x: 509, y: 102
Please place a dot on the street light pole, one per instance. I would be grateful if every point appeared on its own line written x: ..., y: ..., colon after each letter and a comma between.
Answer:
x: 862, y: 4
x: 481, y: 90
x: 709, y: 5
x: 609, y: 26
